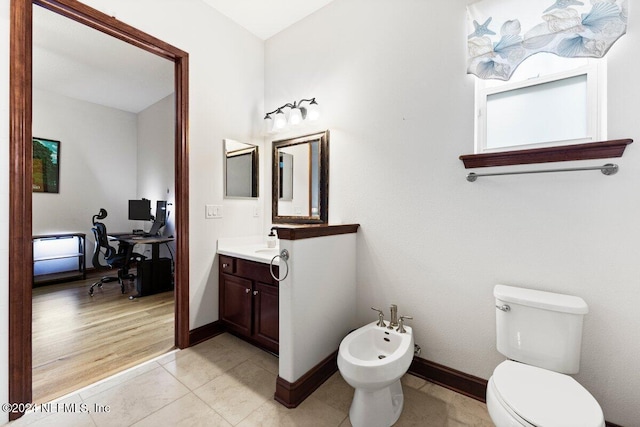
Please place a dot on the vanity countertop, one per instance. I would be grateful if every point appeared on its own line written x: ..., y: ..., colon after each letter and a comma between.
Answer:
x: 248, y: 248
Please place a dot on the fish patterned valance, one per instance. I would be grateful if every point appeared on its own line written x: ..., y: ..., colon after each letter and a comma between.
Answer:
x: 503, y: 33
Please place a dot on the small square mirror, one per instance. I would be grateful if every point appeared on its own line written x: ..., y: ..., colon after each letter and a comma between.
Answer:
x: 241, y: 165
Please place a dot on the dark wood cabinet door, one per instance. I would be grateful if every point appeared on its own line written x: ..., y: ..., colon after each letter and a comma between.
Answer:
x: 266, y: 315
x: 235, y: 303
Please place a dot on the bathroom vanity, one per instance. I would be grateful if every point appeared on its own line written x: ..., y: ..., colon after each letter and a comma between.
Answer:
x: 249, y: 300
x: 304, y: 316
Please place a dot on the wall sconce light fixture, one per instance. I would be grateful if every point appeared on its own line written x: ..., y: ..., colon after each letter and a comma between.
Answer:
x: 276, y: 120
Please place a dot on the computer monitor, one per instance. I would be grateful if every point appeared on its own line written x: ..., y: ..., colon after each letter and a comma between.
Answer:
x: 140, y: 210
x: 161, y: 211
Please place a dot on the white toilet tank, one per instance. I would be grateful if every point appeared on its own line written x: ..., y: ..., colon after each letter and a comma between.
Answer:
x: 540, y: 328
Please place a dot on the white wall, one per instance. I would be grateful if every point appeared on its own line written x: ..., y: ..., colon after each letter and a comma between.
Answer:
x: 226, y: 78
x: 317, y: 299
x: 390, y: 79
x: 156, y: 164
x: 389, y: 76
x: 97, y: 164
x: 226, y: 101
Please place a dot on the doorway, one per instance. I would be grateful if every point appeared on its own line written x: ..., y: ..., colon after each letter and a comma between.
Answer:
x: 20, y: 180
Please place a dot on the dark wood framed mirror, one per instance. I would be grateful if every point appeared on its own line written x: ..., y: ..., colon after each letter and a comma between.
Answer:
x: 300, y: 180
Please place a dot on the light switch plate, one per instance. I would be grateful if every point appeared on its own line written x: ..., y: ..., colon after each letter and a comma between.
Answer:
x: 213, y: 211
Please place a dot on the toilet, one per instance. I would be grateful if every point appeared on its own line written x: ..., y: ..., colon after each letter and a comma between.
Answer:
x: 541, y: 334
x: 372, y: 359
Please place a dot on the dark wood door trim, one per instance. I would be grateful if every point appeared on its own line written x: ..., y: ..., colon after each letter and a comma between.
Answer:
x: 20, y: 253
x: 20, y: 176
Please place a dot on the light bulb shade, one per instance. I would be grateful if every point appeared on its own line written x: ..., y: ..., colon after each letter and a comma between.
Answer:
x: 295, y: 117
x: 279, y: 121
x: 313, y: 112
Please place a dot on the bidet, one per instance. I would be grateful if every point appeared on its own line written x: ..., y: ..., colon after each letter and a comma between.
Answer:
x: 372, y: 359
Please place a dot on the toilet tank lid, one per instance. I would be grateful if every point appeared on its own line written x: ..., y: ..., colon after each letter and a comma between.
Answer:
x: 541, y: 299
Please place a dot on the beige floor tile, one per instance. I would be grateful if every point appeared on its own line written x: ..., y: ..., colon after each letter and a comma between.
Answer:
x: 439, y: 392
x: 462, y: 416
x: 238, y: 392
x: 188, y: 411
x: 412, y: 381
x: 233, y: 384
x: 336, y: 393
x: 266, y: 361
x: 166, y: 358
x: 471, y: 408
x: 311, y: 413
x: 233, y: 342
x: 200, y: 364
x: 422, y: 410
x: 117, y: 379
x: 194, y: 369
x: 67, y: 411
x: 137, y: 398
x: 65, y: 419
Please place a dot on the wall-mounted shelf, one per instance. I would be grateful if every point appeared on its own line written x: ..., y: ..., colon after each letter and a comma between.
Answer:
x: 589, y: 151
x: 50, y: 251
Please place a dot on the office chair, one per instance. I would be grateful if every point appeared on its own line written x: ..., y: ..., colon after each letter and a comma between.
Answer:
x: 120, y: 258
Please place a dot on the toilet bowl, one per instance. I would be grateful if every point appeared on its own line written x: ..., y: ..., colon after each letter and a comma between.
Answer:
x: 523, y: 395
x: 541, y: 334
x: 372, y: 359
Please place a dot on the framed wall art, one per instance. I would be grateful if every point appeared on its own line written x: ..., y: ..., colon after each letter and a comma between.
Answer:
x: 46, y: 165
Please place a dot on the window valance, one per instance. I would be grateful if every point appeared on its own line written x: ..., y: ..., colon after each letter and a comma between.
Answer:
x: 503, y: 33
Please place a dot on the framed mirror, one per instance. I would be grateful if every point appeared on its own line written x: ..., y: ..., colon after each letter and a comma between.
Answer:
x: 241, y: 165
x: 300, y: 180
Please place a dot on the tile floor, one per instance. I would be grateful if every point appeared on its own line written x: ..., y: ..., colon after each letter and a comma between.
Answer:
x: 227, y: 382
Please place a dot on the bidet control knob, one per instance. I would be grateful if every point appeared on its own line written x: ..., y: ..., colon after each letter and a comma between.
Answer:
x: 380, y: 317
x: 401, y: 328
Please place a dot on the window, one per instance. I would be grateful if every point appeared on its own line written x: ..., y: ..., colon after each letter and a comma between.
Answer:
x: 549, y: 101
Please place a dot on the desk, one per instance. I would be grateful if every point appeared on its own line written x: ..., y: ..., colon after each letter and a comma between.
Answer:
x: 154, y: 275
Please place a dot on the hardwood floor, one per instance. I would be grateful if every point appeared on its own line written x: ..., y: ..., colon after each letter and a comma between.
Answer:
x: 78, y: 339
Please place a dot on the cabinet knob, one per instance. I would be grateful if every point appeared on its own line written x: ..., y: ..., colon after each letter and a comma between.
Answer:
x: 247, y: 290
x: 225, y: 265
x: 255, y: 292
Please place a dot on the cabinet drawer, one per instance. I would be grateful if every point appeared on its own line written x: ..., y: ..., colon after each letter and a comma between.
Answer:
x: 255, y: 271
x: 227, y: 264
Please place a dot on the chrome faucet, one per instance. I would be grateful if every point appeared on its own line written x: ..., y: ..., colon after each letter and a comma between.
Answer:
x: 380, y: 317
x: 401, y: 328
x: 394, y: 316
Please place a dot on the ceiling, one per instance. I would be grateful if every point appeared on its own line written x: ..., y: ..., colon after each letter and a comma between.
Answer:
x: 118, y: 75
x: 265, y: 18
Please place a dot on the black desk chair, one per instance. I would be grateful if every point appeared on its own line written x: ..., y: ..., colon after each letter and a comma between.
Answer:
x: 120, y: 258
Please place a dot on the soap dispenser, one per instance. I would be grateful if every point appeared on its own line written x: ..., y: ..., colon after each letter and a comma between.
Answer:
x: 271, y: 239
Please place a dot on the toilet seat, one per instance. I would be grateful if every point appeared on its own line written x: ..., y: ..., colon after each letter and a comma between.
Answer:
x: 545, y: 398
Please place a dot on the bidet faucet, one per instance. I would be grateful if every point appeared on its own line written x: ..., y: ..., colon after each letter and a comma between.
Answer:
x: 401, y: 329
x: 394, y: 316
x: 380, y: 317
